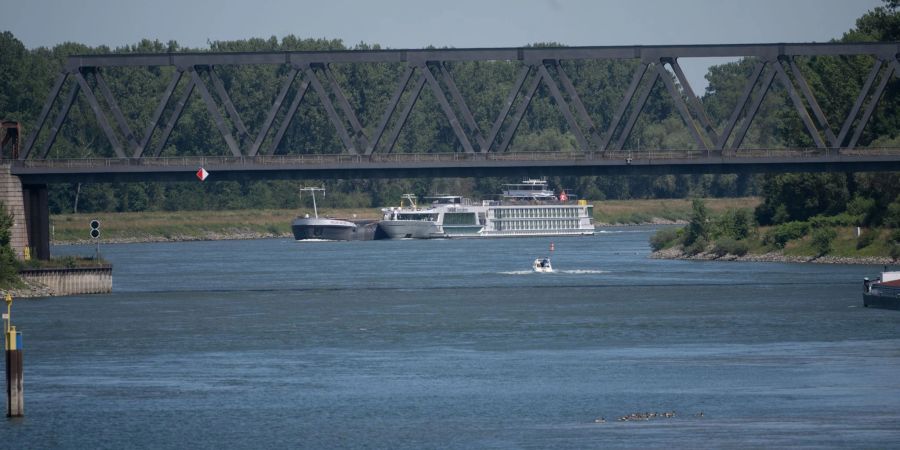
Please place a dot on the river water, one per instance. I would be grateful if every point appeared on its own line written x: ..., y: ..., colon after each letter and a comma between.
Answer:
x: 456, y: 344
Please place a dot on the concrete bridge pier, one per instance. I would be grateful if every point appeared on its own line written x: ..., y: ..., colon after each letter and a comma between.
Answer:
x: 31, y: 215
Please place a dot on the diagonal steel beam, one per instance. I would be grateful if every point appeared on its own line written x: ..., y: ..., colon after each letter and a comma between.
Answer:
x: 226, y: 100
x: 876, y: 97
x: 811, y: 100
x: 448, y: 110
x: 154, y: 121
x: 563, y: 107
x: 739, y: 106
x: 696, y: 104
x: 389, y: 110
x: 289, y: 116
x: 173, y: 119
x: 114, y: 106
x: 273, y: 111
x: 461, y: 104
x: 576, y: 100
x: 504, y: 112
x: 45, y: 111
x: 638, y: 108
x: 60, y: 118
x: 626, y: 100
x: 863, y: 93
x: 798, y: 104
x: 358, y: 129
x: 520, y: 112
x: 404, y: 115
x: 98, y: 113
x: 680, y: 105
x: 751, y: 113
x: 214, y: 112
x: 330, y: 111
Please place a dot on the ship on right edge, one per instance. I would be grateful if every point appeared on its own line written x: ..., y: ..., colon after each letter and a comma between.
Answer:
x: 883, y: 292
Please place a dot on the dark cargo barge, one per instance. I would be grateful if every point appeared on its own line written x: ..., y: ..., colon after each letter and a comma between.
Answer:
x: 315, y: 228
x: 330, y: 229
x: 882, y: 292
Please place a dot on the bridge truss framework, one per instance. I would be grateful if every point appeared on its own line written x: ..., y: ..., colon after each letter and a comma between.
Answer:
x: 429, y: 67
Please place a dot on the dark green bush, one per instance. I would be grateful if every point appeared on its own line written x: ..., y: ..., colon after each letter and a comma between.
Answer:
x: 735, y: 223
x: 729, y: 246
x: 663, y: 238
x: 781, y: 234
x: 840, y: 220
x: 866, y: 238
x: 895, y: 236
x: 698, y: 227
x: 9, y: 264
x: 863, y: 208
x: 699, y: 246
x: 821, y: 240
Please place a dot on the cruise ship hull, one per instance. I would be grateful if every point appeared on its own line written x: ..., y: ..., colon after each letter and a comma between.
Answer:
x: 334, y: 229
x: 410, y: 229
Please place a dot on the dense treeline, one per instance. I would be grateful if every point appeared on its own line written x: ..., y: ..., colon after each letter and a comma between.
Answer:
x: 867, y: 199
x: 26, y: 76
x: 815, y: 213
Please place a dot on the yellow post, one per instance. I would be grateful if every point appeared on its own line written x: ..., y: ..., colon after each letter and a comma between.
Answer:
x: 7, y: 322
x: 14, y: 392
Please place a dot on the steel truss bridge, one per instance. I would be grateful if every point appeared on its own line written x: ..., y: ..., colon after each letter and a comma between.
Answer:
x: 369, y: 151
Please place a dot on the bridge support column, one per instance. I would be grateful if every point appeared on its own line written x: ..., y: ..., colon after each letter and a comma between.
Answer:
x: 37, y: 218
x: 11, y: 196
x: 31, y: 215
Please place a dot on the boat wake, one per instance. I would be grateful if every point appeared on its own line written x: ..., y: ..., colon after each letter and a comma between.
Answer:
x: 571, y: 272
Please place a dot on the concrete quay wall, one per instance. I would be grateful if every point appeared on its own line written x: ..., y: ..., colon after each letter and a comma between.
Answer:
x: 72, y: 281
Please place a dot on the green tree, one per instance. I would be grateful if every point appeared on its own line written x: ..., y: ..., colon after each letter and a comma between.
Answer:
x: 9, y: 265
x: 821, y: 240
x: 698, y: 227
x: 799, y: 196
x: 735, y: 224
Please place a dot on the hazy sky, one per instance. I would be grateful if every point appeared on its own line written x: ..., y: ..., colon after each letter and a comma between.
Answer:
x: 454, y: 23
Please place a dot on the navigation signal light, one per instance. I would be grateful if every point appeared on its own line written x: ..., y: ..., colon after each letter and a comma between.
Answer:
x: 202, y: 174
x: 95, y: 228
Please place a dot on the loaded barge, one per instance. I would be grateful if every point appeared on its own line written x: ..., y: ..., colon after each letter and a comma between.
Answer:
x: 883, y: 292
x: 331, y: 229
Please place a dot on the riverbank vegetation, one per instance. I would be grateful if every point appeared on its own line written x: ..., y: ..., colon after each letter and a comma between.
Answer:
x: 811, y: 215
x: 9, y: 265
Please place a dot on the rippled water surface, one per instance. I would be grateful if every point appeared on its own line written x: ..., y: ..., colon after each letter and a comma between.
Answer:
x: 456, y: 344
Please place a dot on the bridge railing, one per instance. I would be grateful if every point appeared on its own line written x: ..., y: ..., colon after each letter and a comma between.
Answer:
x: 445, y: 158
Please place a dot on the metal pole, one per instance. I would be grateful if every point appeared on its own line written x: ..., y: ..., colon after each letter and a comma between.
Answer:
x: 15, y: 403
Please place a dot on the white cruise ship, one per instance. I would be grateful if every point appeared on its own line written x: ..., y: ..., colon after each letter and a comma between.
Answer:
x: 525, y: 209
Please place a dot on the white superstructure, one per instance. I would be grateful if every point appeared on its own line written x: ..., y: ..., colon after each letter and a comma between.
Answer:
x: 411, y: 222
x: 525, y: 209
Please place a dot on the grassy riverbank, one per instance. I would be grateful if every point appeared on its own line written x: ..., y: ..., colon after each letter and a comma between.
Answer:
x: 155, y: 226
x: 635, y: 212
x: 192, y: 225
x: 734, y: 235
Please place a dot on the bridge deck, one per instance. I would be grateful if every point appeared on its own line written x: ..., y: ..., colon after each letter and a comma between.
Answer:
x: 458, y: 164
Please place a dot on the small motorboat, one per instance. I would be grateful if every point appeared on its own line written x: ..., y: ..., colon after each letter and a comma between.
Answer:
x: 542, y: 265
